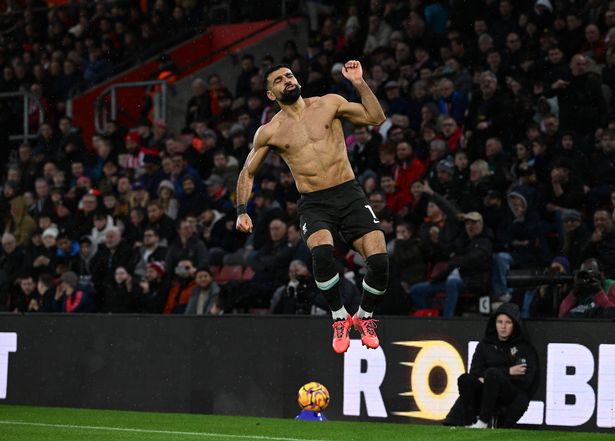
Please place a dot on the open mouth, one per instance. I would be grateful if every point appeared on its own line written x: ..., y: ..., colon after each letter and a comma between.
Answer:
x: 292, y: 86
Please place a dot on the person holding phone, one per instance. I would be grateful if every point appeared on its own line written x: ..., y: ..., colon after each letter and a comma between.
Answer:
x: 501, y: 375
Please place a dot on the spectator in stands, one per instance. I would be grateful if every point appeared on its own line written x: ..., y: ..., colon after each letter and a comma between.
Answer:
x: 150, y: 251
x: 19, y: 223
x: 166, y: 197
x: 581, y: 102
x: 270, y: 262
x: 502, y: 373
x: 102, y: 222
x: 186, y: 247
x: 22, y: 299
x: 486, y: 114
x: 364, y: 151
x: 601, y: 244
x: 408, y: 167
x: 576, y: 236
x: 153, y: 289
x: 218, y: 194
x: 121, y: 293
x: 44, y: 258
x: 81, y: 263
x: 159, y: 221
x: 519, y: 241
x: 68, y: 298
x: 544, y: 300
x: 451, y: 103
x: 266, y: 208
x: 181, y: 288
x: 199, y: 105
x: 204, y: 296
x: 42, y: 202
x: 191, y: 202
x: 112, y: 254
x: 11, y: 263
x: 591, y: 294
x: 45, y: 293
x: 468, y: 269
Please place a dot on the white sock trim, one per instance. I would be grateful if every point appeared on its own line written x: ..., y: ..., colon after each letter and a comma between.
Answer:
x: 340, y: 314
x: 361, y: 313
x: 371, y: 290
x: 324, y: 286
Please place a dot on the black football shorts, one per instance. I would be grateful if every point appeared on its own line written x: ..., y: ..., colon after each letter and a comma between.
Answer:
x: 340, y: 209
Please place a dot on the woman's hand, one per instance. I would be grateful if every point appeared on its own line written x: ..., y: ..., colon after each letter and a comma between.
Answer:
x: 518, y: 369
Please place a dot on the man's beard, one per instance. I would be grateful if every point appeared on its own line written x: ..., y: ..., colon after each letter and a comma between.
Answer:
x: 290, y: 96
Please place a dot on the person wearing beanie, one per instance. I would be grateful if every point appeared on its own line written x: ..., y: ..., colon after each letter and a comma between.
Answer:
x: 204, y: 295
x: 502, y: 374
x: 68, y: 296
x: 153, y: 288
x: 166, y: 197
x: 576, y: 236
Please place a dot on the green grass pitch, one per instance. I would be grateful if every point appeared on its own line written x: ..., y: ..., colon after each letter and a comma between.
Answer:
x: 25, y: 423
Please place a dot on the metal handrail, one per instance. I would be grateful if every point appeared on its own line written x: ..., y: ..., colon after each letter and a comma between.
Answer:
x: 160, y: 108
x: 26, y: 96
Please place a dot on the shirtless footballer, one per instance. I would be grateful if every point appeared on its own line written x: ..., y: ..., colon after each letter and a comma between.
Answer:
x: 307, y: 134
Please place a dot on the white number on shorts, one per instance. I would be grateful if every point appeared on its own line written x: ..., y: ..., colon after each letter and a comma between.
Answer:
x: 376, y: 221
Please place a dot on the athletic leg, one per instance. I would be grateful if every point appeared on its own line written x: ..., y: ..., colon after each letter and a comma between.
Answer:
x: 328, y: 282
x: 373, y: 249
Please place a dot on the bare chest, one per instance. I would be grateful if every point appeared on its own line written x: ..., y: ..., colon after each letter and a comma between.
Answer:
x: 316, y: 127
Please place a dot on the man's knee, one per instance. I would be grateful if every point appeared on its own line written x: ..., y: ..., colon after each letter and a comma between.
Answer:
x: 454, y: 281
x: 376, y: 280
x: 493, y: 374
x: 465, y: 380
x: 325, y: 269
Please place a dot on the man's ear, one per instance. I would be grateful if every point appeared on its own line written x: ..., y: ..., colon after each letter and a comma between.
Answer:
x: 270, y: 95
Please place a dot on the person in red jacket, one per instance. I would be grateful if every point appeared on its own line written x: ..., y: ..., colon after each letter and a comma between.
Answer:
x: 182, y: 285
x: 396, y: 200
x: 408, y: 168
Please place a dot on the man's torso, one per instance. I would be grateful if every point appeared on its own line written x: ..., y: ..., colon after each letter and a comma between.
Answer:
x: 313, y: 146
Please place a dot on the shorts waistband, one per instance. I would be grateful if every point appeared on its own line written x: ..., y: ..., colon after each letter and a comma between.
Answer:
x: 331, y: 190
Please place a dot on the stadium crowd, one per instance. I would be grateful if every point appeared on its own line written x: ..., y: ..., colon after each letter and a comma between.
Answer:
x: 498, y: 154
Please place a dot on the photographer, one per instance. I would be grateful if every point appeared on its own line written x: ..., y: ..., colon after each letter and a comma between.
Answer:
x: 300, y: 295
x: 502, y: 374
x: 544, y: 300
x: 590, y: 293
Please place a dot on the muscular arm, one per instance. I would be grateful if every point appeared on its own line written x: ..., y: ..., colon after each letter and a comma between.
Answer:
x: 369, y: 111
x: 255, y: 158
x: 246, y: 177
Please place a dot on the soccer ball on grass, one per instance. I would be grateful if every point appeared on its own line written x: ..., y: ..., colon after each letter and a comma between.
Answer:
x: 313, y: 396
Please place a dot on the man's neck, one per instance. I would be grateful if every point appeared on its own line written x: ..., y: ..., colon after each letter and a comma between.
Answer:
x: 295, y: 109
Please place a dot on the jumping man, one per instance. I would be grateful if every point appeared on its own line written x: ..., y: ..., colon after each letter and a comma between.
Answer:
x: 307, y: 134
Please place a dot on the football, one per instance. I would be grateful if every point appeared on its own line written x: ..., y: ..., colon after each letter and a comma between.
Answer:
x: 313, y: 396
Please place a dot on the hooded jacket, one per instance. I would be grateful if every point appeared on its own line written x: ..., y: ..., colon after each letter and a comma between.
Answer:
x: 492, y: 352
x: 19, y: 223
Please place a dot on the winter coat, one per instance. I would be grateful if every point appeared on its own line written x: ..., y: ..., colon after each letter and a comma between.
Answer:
x: 212, y: 295
x: 409, y: 258
x: 491, y: 352
x: 19, y: 223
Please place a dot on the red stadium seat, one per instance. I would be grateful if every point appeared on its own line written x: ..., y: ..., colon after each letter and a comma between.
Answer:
x: 228, y: 273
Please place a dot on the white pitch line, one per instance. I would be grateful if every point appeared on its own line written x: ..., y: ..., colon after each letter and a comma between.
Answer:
x: 166, y: 432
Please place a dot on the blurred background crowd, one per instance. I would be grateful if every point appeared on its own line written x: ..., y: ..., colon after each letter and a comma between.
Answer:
x: 493, y: 175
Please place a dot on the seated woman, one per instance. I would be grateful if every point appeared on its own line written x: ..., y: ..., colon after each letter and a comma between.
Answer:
x: 502, y: 374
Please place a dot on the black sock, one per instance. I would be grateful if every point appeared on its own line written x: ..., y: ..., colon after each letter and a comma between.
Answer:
x: 332, y: 296
x: 369, y: 301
